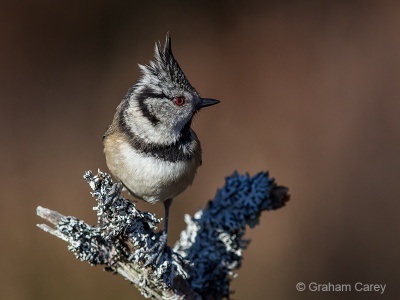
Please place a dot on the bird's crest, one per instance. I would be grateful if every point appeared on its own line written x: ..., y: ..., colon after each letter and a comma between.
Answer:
x: 165, y: 68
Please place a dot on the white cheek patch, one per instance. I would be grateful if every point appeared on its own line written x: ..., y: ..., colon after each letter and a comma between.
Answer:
x: 160, y: 134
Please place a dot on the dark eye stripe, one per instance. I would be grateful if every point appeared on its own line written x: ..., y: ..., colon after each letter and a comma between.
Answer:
x: 148, y: 93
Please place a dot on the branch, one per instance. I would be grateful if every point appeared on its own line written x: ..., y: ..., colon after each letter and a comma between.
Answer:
x: 202, y: 262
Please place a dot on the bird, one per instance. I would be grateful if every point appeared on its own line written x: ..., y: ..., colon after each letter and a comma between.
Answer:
x: 150, y: 146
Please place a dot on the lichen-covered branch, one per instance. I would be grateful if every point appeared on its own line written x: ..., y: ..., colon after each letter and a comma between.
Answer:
x: 202, y: 262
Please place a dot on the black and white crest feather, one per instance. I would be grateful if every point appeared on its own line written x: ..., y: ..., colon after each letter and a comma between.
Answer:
x: 164, y: 68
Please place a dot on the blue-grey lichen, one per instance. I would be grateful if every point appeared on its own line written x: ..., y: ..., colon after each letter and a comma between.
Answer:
x: 213, y: 240
x: 202, y: 262
x: 122, y: 234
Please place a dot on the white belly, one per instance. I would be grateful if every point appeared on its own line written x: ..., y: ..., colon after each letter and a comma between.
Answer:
x: 147, y: 177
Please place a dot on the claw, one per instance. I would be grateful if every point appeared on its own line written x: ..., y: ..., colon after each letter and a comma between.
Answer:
x: 156, y: 250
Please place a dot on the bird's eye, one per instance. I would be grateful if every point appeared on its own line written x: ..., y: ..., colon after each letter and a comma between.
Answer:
x: 179, y: 101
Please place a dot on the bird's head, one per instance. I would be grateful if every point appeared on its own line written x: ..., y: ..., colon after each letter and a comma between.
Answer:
x: 162, y: 103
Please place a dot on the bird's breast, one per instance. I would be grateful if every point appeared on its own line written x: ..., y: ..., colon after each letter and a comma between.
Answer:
x: 147, y: 176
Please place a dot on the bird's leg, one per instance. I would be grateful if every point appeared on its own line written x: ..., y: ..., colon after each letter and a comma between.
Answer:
x: 159, y: 246
x: 167, y: 204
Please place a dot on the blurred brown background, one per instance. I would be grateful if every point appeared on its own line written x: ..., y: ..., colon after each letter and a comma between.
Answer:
x: 309, y: 89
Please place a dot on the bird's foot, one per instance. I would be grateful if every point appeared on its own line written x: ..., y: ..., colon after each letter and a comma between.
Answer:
x: 156, y: 251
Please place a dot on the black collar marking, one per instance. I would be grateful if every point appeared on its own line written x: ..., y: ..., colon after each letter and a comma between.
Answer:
x: 173, y: 152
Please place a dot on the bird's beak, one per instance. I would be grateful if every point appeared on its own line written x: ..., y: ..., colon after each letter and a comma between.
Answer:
x: 207, y: 102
